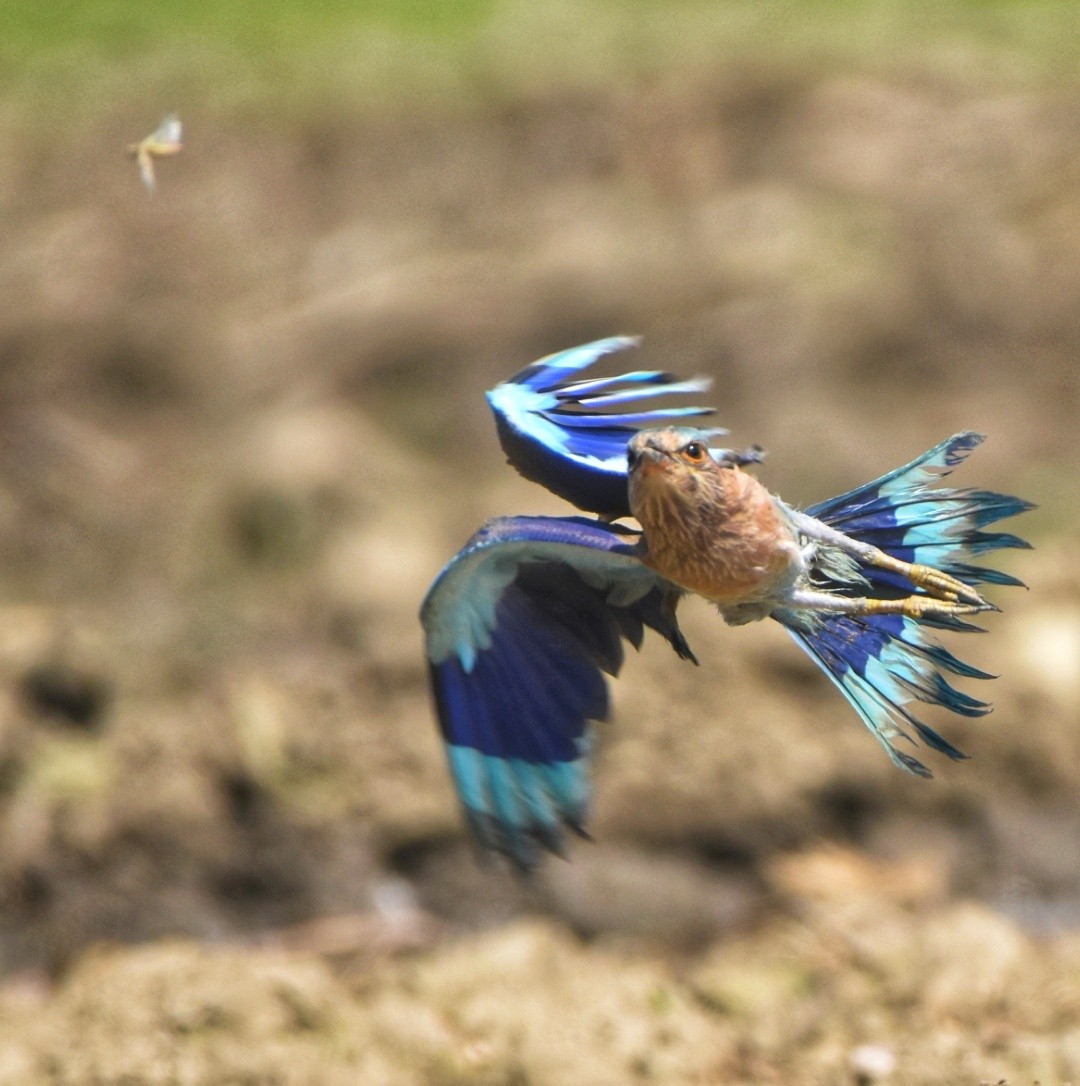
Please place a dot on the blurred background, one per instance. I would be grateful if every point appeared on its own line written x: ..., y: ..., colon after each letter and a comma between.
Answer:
x: 242, y: 427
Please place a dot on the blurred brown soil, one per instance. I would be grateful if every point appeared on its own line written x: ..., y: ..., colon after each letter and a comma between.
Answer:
x: 242, y: 428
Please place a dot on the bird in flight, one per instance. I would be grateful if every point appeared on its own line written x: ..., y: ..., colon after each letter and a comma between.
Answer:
x: 164, y: 140
x: 523, y: 623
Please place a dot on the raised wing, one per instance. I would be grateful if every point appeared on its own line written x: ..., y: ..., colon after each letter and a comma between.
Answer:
x: 520, y: 628
x: 560, y: 433
x: 885, y: 663
x: 167, y: 135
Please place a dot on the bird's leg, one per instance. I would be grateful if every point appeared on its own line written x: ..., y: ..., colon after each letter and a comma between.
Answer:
x: 917, y: 607
x: 936, y: 582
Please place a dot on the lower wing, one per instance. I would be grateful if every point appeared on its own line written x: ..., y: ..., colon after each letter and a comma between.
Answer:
x: 520, y: 628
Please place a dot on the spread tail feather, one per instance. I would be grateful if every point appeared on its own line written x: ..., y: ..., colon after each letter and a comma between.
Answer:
x: 882, y: 664
x: 903, y: 515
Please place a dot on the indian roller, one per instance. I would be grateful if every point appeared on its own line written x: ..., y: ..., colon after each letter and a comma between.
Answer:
x: 526, y: 619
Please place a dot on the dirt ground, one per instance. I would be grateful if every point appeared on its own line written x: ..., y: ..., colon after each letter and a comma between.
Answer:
x: 242, y: 429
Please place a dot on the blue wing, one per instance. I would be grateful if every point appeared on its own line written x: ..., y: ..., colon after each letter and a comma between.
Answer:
x: 558, y: 432
x: 884, y: 663
x: 520, y: 627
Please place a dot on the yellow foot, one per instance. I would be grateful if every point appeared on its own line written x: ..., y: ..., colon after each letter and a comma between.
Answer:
x: 937, y: 583
x: 920, y: 607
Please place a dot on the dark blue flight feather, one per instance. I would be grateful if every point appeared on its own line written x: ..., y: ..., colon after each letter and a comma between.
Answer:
x: 557, y: 431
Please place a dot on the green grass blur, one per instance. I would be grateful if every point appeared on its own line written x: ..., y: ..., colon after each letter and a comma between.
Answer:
x: 72, y: 58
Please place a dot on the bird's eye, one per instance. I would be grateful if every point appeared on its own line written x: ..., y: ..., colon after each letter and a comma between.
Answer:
x: 695, y: 451
x: 631, y: 458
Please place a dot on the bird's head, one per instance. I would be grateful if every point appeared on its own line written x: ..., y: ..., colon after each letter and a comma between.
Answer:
x: 672, y: 466
x: 674, y: 451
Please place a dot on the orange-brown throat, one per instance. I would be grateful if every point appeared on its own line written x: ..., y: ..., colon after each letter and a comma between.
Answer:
x: 713, y: 529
